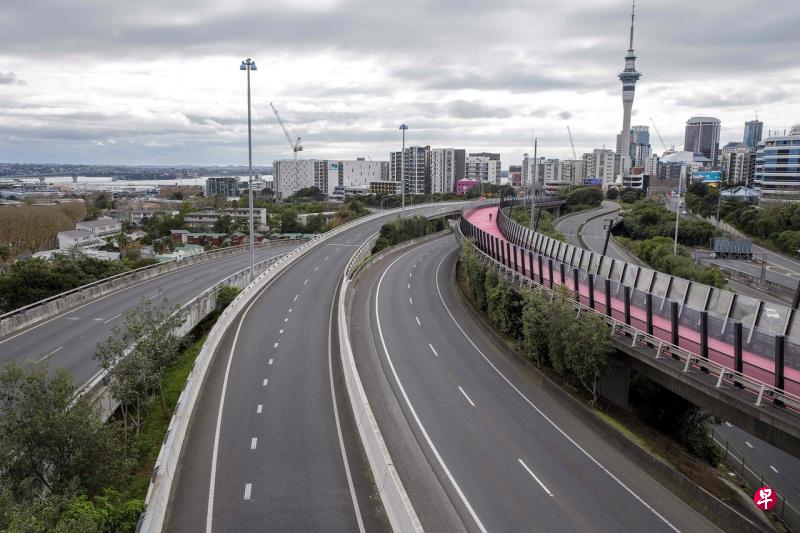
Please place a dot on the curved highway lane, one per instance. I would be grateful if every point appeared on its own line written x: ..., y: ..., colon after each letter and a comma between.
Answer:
x: 515, y: 457
x: 272, y: 445
x: 70, y: 339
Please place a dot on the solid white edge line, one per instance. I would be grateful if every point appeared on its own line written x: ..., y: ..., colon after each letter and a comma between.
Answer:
x: 534, y: 477
x: 418, y: 322
x: 350, y: 485
x: 465, y: 396
x: 112, y: 318
x: 48, y: 355
x: 407, y: 400
x: 433, y: 350
x: 774, y: 469
x: 549, y: 420
x: 748, y: 444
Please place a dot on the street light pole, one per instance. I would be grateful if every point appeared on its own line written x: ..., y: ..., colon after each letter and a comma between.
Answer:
x: 248, y: 65
x: 678, y: 212
x: 403, y: 128
x: 533, y: 183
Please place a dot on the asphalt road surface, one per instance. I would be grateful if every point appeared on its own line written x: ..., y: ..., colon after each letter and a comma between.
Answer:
x: 780, y: 470
x: 509, y: 454
x: 271, y: 445
x: 70, y: 339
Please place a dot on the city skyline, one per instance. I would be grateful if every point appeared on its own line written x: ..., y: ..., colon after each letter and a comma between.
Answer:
x: 84, y: 93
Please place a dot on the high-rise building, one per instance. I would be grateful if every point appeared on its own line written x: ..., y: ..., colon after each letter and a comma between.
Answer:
x: 753, y: 131
x: 640, y: 145
x: 515, y: 175
x: 443, y: 170
x: 702, y: 137
x: 291, y: 175
x: 601, y: 165
x: 492, y: 171
x: 532, y: 173
x: 222, y: 186
x: 777, y: 172
x: 629, y: 76
x: 416, y: 167
x: 739, y: 164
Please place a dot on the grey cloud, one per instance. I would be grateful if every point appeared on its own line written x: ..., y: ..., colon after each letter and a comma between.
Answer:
x: 564, y: 115
x: 9, y: 78
x: 734, y: 98
x: 475, y: 109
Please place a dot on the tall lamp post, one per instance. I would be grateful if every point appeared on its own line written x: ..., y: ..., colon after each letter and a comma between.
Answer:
x: 403, y: 128
x: 533, y: 183
x: 248, y: 65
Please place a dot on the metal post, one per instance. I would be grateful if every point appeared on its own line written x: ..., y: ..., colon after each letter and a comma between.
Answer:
x: 508, y: 254
x: 607, y: 283
x: 591, y: 291
x: 627, y: 293
x: 648, y: 301
x: 678, y: 213
x: 674, y: 325
x: 248, y: 65
x: 530, y: 265
x: 575, y: 285
x: 608, y: 237
x: 533, y: 184
x: 780, y: 349
x: 550, y: 273
x: 704, y: 335
x: 796, y: 299
x: 541, y: 269
x: 738, y: 364
x: 563, y: 270
x: 516, y: 266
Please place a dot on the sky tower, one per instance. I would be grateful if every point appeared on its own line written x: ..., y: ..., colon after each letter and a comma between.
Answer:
x: 628, y: 77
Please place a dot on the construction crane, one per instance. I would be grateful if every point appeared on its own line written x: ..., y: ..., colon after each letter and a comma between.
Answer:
x: 661, y: 138
x: 574, y: 153
x: 296, y: 145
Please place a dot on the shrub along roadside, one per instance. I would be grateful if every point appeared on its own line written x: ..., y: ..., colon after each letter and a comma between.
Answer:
x: 577, y: 350
x: 406, y: 228
x: 657, y: 252
x: 61, y: 468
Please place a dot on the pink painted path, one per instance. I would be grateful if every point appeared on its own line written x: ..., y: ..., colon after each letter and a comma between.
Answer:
x: 754, y: 365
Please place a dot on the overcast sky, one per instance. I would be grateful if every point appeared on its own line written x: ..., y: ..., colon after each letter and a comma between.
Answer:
x: 157, y: 81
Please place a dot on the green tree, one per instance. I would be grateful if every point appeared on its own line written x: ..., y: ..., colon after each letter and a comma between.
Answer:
x: 102, y: 201
x: 223, y: 224
x: 535, y: 327
x: 503, y: 307
x: 51, y: 442
x: 612, y: 193
x: 316, y: 224
x: 226, y: 295
x: 587, y: 349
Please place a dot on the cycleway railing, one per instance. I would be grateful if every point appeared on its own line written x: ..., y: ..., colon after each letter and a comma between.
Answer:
x: 631, y: 317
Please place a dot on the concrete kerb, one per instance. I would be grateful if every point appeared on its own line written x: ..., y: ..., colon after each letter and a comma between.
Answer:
x: 31, y: 314
x: 160, y: 488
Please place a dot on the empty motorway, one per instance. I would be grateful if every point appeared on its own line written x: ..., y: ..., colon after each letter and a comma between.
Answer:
x: 508, y: 455
x: 70, y: 339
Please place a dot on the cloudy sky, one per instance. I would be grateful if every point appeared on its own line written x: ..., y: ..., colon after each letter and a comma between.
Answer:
x: 157, y: 81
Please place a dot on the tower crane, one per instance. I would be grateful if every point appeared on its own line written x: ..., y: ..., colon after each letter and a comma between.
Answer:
x: 661, y: 138
x: 296, y: 145
x: 574, y: 153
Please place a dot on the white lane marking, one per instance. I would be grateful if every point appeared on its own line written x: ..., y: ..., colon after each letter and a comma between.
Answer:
x: 295, y: 297
x: 253, y: 443
x: 773, y: 469
x: 543, y: 415
x: 305, y: 282
x: 98, y: 319
x: 188, y: 281
x: 260, y: 408
x: 275, y: 345
x: 280, y: 332
x: 264, y: 383
x: 409, y: 274
x: 316, y: 268
x: 270, y: 361
x: 326, y: 258
x: 407, y: 400
x: 73, y: 318
x: 433, y: 350
x: 49, y: 354
x: 465, y: 396
x: 286, y: 319
x: 418, y: 323
x: 409, y: 286
x: 748, y: 444
x: 534, y: 477
x: 248, y: 487
x: 156, y: 295
x: 410, y: 300
x: 728, y: 424
x: 290, y: 310
x: 213, y: 270
x: 415, y: 266
x: 350, y: 485
x: 112, y: 318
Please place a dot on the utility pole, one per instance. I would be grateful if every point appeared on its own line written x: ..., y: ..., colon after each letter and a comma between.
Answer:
x: 403, y: 128
x: 533, y: 183
x: 248, y: 65
x: 678, y: 212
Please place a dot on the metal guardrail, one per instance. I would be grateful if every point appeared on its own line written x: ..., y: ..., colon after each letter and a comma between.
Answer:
x: 161, y: 480
x: 662, y: 348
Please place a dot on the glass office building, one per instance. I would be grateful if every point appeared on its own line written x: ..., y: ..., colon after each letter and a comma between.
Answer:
x: 777, y: 172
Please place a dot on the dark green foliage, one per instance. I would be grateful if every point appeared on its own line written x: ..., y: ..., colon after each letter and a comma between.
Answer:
x: 544, y: 223
x: 404, y: 229
x: 503, y: 307
x: 535, y: 327
x: 630, y: 196
x: 476, y: 275
x: 657, y: 252
x: 316, y: 224
x: 306, y: 194
x: 612, y: 193
x: 30, y: 280
x: 226, y: 295
x: 674, y: 416
x: 647, y: 219
x: 581, y: 198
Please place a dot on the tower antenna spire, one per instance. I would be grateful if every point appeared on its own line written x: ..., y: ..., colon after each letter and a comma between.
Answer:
x: 633, y: 13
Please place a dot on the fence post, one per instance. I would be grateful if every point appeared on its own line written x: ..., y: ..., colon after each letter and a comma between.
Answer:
x: 508, y: 254
x: 591, y: 291
x: 704, y: 334
x: 648, y: 300
x: 550, y: 272
x: 575, y: 286
x: 541, y: 269
x: 563, y: 272
x: 607, y: 283
x: 627, y: 292
x: 780, y: 348
x: 516, y: 267
x: 676, y: 338
x: 738, y: 364
x: 530, y: 265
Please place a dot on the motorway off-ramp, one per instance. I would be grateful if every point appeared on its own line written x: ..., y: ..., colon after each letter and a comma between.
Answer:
x: 508, y: 455
x: 70, y: 339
